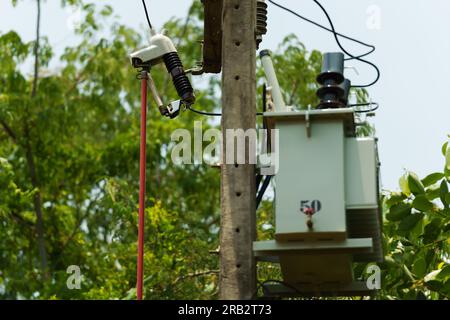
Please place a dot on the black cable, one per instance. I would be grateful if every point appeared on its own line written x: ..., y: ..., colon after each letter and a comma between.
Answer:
x: 346, y: 52
x: 203, y: 113
x: 146, y: 15
x: 327, y: 29
x: 262, y: 191
x: 212, y: 114
x: 259, y: 177
x: 364, y: 105
x: 258, y: 181
x: 336, y: 34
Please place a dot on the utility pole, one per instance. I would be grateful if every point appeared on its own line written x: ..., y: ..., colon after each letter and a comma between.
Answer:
x: 238, y: 218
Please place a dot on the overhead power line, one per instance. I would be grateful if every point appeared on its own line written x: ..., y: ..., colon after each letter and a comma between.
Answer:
x: 336, y: 36
x: 146, y: 15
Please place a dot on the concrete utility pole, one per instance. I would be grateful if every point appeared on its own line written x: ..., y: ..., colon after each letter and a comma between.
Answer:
x: 238, y: 221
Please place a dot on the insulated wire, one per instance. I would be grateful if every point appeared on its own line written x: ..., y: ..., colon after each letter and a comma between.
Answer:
x: 203, y: 113
x: 146, y: 15
x: 375, y: 108
x: 348, y: 53
x: 212, y: 114
x: 372, y: 47
x: 263, y: 190
x: 337, y: 35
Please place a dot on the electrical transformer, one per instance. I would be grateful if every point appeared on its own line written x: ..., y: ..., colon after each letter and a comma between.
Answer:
x: 326, y: 194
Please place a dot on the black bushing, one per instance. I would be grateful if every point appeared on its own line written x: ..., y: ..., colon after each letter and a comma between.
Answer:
x: 332, y: 68
x: 346, y: 86
x: 332, y: 90
x: 179, y: 78
x: 261, y: 21
x: 330, y: 97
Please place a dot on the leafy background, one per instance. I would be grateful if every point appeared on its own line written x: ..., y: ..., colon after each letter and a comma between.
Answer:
x: 69, y: 144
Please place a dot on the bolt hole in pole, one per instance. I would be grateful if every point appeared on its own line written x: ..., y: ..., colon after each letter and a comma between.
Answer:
x: 236, y: 7
x: 237, y: 78
x: 238, y: 230
x: 142, y: 173
x: 238, y: 194
x: 237, y: 43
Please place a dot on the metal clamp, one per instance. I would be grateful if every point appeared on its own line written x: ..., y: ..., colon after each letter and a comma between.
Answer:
x: 308, y: 122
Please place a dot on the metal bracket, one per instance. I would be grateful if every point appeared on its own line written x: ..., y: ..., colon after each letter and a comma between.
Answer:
x: 199, y: 68
x: 172, y: 110
x: 308, y: 122
x: 212, y: 47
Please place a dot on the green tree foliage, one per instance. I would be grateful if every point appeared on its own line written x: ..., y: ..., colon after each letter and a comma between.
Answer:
x: 82, y: 128
x: 417, y: 237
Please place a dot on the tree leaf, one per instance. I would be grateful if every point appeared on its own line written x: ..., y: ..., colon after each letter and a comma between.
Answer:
x: 410, y: 221
x: 434, y: 285
x: 398, y: 212
x: 444, y: 193
x: 395, y: 198
x: 447, y: 159
x: 432, y: 231
x: 444, y: 274
x: 432, y: 179
x: 433, y: 192
x: 403, y: 182
x: 421, y: 203
x: 414, y: 183
x: 421, y: 296
x: 419, y: 268
x: 446, y: 228
x: 432, y: 275
x: 444, y: 149
x: 446, y: 287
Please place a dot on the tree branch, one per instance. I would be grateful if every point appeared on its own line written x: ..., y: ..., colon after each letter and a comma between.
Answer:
x: 29, y: 153
x: 195, y: 275
x: 9, y: 131
x: 36, y: 50
x: 18, y: 218
x: 294, y: 89
x: 76, y: 228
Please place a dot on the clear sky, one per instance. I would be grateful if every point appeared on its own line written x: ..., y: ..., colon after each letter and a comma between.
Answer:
x: 412, y: 52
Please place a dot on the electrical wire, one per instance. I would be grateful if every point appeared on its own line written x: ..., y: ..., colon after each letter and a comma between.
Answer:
x: 263, y: 190
x: 146, y: 15
x: 348, y: 53
x: 203, y: 113
x: 212, y: 114
x: 372, y: 47
x: 337, y: 35
x: 258, y: 181
x: 376, y: 104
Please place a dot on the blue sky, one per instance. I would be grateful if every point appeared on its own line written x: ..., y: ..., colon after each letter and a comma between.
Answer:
x: 412, y: 53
